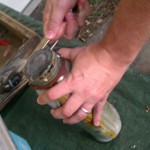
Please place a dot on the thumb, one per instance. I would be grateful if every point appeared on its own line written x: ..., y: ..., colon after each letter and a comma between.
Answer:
x: 56, y: 20
x: 68, y: 53
x: 55, y: 23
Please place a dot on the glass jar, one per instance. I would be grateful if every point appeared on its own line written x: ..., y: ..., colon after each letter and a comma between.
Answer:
x: 47, y: 68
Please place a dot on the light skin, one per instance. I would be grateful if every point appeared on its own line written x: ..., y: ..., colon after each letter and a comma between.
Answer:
x: 97, y: 68
x: 60, y: 21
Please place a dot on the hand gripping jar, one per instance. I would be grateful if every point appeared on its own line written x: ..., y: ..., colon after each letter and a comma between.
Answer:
x: 47, y: 68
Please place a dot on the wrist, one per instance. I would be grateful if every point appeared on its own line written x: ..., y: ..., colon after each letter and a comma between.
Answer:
x: 108, y: 62
x: 123, y: 55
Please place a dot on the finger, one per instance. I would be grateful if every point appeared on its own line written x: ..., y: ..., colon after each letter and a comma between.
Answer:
x: 54, y: 93
x: 46, y: 14
x: 59, y: 33
x: 84, y: 9
x: 72, y: 26
x: 54, y: 24
x: 97, y: 111
x: 56, y: 19
x: 69, y: 53
x: 60, y: 89
x: 43, y: 99
x: 79, y: 115
x: 71, y: 105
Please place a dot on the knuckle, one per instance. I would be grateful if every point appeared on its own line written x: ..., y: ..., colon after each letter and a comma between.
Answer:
x: 96, y: 111
x: 51, y: 96
x: 66, y: 113
x: 52, y: 23
x: 96, y: 94
x: 80, y: 117
x: 91, y: 94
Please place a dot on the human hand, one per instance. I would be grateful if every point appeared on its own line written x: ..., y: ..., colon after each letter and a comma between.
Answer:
x: 93, y: 75
x: 60, y: 21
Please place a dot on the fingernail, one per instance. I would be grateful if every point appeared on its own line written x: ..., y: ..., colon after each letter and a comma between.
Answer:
x: 96, y: 124
x: 50, y: 34
x: 39, y: 100
x: 42, y: 99
x: 52, y: 111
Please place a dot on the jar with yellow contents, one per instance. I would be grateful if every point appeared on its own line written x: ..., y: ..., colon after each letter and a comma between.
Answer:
x: 47, y: 68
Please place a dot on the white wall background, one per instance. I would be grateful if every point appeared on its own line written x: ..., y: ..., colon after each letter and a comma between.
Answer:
x: 18, y: 5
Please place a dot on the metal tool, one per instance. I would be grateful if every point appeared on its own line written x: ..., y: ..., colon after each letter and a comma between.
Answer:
x: 52, y: 46
x: 45, y: 69
x: 45, y: 44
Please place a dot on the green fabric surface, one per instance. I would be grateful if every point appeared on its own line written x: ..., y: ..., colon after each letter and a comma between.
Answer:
x: 33, y: 122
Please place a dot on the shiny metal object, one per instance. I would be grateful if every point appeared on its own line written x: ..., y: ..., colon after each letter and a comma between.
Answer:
x: 11, y: 83
x: 52, y: 46
x: 84, y: 110
x: 51, y: 70
x: 45, y: 44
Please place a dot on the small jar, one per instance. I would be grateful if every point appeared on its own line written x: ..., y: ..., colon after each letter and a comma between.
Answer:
x: 47, y: 68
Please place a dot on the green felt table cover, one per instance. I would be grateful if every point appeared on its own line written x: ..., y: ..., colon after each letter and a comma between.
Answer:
x: 33, y: 122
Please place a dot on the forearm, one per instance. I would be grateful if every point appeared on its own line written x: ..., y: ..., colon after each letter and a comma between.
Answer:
x: 129, y: 30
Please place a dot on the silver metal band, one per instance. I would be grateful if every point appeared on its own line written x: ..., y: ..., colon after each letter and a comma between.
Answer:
x: 84, y: 110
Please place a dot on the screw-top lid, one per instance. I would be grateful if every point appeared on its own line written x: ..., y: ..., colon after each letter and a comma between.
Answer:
x: 38, y: 63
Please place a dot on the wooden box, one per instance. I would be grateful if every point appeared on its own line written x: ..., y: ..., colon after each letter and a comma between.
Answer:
x: 17, y: 43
